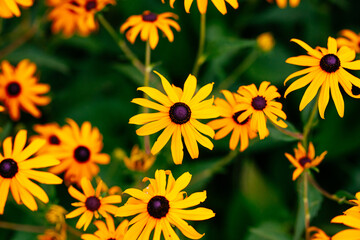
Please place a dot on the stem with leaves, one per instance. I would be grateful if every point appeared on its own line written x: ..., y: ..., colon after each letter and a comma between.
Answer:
x: 200, y: 59
x: 306, y: 206
x: 148, y: 69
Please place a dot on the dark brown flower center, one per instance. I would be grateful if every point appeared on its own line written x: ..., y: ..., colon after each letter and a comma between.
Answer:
x: 148, y: 16
x: 92, y: 203
x: 236, y: 116
x: 91, y: 4
x: 13, y: 89
x: 258, y: 103
x: 54, y: 140
x: 111, y: 239
x: 158, y: 207
x: 304, y: 160
x: 82, y: 154
x: 180, y: 113
x: 8, y: 168
x: 330, y: 63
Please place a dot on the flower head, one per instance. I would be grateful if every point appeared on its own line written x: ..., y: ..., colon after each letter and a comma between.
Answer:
x: 107, y: 231
x: 16, y: 171
x: 260, y: 105
x: 76, y: 16
x: 229, y: 122
x: 91, y: 203
x: 178, y: 114
x: 139, y: 160
x: 56, y: 215
x: 325, y: 70
x: 350, y: 220
x: 350, y: 39
x: 304, y: 159
x: 10, y: 8
x: 265, y: 41
x: 79, y: 152
x: 48, y: 132
x: 283, y: 3
x: 19, y: 88
x: 147, y: 25
x: 51, y: 234
x: 318, y: 234
x: 202, y: 5
x: 162, y: 203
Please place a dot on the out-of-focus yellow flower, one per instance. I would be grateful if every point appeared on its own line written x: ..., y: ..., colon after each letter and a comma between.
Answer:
x: 51, y: 234
x: 283, y: 3
x: 265, y: 41
x: 139, y: 160
x: 10, y: 8
x: 56, y: 215
x: 350, y: 39
x: 318, y: 234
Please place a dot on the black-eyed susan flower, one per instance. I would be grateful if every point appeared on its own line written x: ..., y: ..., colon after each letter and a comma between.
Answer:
x: 304, y: 159
x: 351, y: 220
x: 317, y: 234
x: 16, y: 170
x: 76, y: 16
x: 139, y: 160
x: 265, y: 41
x: 163, y: 203
x: 240, y: 130
x: 147, y: 25
x: 48, y: 132
x: 325, y: 70
x: 350, y: 39
x: 178, y: 114
x: 79, y: 152
x: 283, y: 3
x: 19, y: 88
x: 51, y: 234
x: 107, y: 231
x: 10, y: 8
x: 202, y: 5
x: 91, y: 203
x: 260, y: 105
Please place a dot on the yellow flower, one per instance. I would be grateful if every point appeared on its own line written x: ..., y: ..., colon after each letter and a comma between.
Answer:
x: 16, y: 171
x: 79, y: 152
x: 107, y: 231
x: 139, y: 160
x: 318, y: 234
x: 353, y: 221
x: 76, y: 16
x: 350, y: 39
x: 265, y: 41
x: 47, y: 132
x: 229, y: 122
x: 91, y: 203
x: 260, y: 105
x: 147, y: 25
x: 178, y: 114
x: 283, y: 3
x: 50, y: 234
x: 9, y: 8
x: 202, y: 5
x: 304, y: 159
x: 325, y: 70
x: 56, y: 215
x: 19, y: 88
x: 162, y: 203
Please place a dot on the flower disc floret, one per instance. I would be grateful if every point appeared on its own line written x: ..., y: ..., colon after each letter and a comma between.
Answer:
x: 180, y: 113
x: 82, y: 154
x: 90, y: 5
x: 158, y: 207
x: 8, y: 168
x: 13, y: 89
x: 148, y: 16
x: 258, y: 103
x: 330, y: 63
x: 92, y: 203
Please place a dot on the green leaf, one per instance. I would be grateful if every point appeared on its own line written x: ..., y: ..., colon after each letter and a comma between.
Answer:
x: 269, y: 231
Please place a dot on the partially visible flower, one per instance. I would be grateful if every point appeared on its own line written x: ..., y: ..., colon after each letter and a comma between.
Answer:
x: 178, y: 114
x: 56, y: 215
x: 260, y: 105
x: 48, y: 132
x: 283, y: 3
x: 350, y: 220
x: 265, y: 41
x: 107, y: 231
x: 147, y: 25
x: 304, y: 159
x: 350, y: 39
x: 325, y: 69
x: 51, y: 234
x: 139, y: 160
x: 91, y: 203
x: 16, y: 171
x: 202, y: 5
x: 79, y: 152
x: 318, y: 234
x: 240, y: 130
x: 19, y: 88
x: 75, y: 16
x: 162, y: 204
x: 10, y: 8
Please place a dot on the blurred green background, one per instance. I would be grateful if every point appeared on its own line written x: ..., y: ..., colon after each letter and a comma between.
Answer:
x: 253, y: 196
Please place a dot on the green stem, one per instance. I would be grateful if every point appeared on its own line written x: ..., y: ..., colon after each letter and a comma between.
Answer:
x: 295, y: 135
x: 148, y: 69
x: 200, y: 59
x: 22, y: 227
x: 245, y: 64
x: 306, y: 206
x: 309, y: 124
x: 121, y: 43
